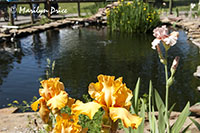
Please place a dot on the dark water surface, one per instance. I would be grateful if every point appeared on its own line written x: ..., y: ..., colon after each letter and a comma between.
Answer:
x: 81, y: 55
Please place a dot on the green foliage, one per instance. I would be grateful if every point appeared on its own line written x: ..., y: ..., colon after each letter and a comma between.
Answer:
x: 133, y: 17
x: 135, y: 99
x: 181, y: 119
x: 94, y: 125
x: 44, y: 20
x: 196, y: 123
x: 24, y: 106
x: 138, y: 107
x: 142, y: 115
x: 163, y: 117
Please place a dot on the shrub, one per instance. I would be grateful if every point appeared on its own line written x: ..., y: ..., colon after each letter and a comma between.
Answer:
x: 133, y: 17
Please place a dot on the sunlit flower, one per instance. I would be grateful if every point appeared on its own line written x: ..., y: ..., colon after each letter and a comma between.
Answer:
x: 161, y: 34
x: 53, y: 97
x: 145, y: 9
x: 171, y: 40
x: 58, y: 102
x: 51, y: 87
x: 113, y: 96
x: 67, y: 124
x: 129, y: 3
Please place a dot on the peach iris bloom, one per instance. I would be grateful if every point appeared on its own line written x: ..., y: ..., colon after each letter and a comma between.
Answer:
x: 68, y: 124
x: 161, y: 34
x: 52, y: 97
x: 113, y: 96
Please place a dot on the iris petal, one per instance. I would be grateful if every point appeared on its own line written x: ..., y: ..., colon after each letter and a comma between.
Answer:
x: 58, y: 101
x: 88, y: 109
x: 128, y: 119
x: 34, y: 105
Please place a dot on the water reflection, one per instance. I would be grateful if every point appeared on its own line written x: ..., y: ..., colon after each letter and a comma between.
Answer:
x: 9, y: 52
x: 83, y: 54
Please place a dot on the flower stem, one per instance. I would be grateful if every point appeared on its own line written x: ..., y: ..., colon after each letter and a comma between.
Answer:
x: 167, y: 88
x: 166, y: 94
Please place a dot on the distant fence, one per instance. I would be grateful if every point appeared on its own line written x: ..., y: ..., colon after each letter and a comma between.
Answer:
x: 46, y: 2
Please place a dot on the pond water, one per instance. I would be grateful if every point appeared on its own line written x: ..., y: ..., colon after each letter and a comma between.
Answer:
x: 82, y: 54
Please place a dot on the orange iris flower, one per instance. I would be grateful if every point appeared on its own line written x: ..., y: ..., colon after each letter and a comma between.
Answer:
x: 52, y: 97
x: 113, y: 96
x: 66, y: 123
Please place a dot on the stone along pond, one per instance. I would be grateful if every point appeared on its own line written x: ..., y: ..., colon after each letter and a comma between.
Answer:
x: 82, y: 54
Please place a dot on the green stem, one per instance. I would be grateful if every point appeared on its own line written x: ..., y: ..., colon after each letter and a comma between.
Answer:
x: 167, y: 94
x: 167, y: 88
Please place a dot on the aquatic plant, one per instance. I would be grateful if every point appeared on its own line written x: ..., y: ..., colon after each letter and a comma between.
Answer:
x: 135, y: 16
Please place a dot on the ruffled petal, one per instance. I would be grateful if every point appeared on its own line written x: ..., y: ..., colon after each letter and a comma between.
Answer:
x: 67, y: 124
x: 88, y: 109
x: 122, y: 95
x: 155, y: 43
x: 108, y: 89
x: 34, y: 105
x: 110, y: 92
x: 51, y: 87
x: 128, y: 119
x: 59, y: 101
x: 172, y: 39
x: 160, y: 32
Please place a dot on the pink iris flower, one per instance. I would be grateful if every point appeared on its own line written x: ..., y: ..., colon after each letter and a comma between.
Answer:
x: 161, y: 34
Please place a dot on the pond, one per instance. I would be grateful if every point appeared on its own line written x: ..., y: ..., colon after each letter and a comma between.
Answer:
x: 82, y: 54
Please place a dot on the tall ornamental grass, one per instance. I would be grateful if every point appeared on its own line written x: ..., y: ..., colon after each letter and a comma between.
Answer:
x: 133, y: 17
